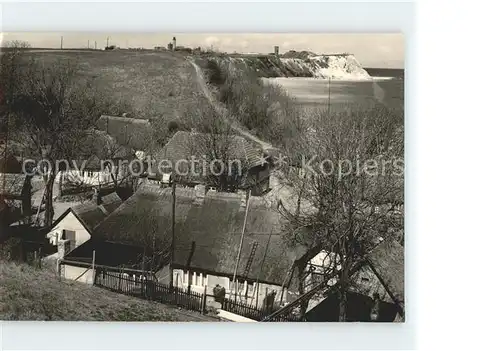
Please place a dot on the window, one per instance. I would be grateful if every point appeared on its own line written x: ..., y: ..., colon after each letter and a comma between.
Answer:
x: 317, y: 278
x: 244, y: 288
x: 178, y: 277
x: 250, y: 289
x: 193, y: 278
x: 198, y: 279
x: 71, y: 236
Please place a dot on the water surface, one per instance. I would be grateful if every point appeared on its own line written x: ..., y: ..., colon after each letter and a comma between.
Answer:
x: 314, y: 93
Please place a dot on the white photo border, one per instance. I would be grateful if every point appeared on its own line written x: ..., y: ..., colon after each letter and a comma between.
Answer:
x: 324, y: 17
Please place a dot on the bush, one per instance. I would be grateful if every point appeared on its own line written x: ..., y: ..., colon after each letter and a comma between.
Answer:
x: 11, y: 250
x: 172, y: 127
x: 215, y: 74
x: 164, y: 129
x: 265, y: 109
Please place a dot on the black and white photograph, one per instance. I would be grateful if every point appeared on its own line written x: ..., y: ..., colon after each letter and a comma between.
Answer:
x: 202, y: 177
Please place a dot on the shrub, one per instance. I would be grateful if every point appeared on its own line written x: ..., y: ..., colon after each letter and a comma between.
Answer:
x: 11, y: 249
x: 215, y: 73
x: 172, y: 126
x: 265, y: 109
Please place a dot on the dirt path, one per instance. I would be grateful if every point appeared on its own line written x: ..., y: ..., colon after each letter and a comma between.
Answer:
x: 222, y: 110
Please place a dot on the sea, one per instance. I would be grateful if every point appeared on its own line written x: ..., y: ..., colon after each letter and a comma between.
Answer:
x: 386, y: 87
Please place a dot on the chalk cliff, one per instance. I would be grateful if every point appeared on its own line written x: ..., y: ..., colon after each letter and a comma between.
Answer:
x: 339, y: 66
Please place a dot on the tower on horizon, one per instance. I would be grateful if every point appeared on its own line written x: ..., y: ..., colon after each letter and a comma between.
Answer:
x: 174, y: 43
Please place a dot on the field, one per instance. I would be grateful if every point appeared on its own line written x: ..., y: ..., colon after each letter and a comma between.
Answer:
x: 153, y: 84
x: 30, y: 294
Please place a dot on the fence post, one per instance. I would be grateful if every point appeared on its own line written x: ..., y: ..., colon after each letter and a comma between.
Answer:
x: 40, y: 258
x: 150, y: 290
x: 154, y: 287
x: 204, y: 300
x: 120, y: 280
x: 176, y: 288
x: 93, y: 267
x: 141, y: 279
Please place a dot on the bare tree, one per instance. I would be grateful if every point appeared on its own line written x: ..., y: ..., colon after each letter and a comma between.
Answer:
x: 10, y: 60
x: 351, y: 177
x: 51, y: 108
x: 215, y: 143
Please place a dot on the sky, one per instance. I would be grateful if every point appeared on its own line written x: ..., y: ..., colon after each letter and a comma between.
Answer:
x: 371, y: 50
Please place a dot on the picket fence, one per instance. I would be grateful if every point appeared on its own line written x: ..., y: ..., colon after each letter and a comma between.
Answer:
x: 151, y: 290
x: 148, y: 289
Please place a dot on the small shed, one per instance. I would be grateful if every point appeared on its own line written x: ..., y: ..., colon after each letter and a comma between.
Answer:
x: 15, y: 193
x: 77, y: 223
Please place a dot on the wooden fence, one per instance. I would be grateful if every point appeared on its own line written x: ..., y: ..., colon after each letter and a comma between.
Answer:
x: 255, y: 313
x: 141, y: 287
x: 150, y: 290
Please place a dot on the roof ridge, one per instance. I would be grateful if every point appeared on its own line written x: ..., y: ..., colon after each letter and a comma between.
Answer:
x: 125, y: 119
x: 245, y: 150
x: 85, y: 207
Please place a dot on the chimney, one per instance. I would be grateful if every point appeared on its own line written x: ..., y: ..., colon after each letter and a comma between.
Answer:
x: 211, y: 191
x: 243, y: 199
x: 63, y: 247
x: 97, y: 198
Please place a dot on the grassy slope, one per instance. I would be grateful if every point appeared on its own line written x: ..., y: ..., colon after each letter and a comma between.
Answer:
x: 156, y: 84
x: 29, y: 294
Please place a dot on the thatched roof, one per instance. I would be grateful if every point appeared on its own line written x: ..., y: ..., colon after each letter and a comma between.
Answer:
x: 127, y: 131
x: 122, y: 254
x: 207, y: 233
x: 14, y: 185
x: 91, y: 214
x: 99, y: 146
x: 111, y: 200
x: 184, y: 145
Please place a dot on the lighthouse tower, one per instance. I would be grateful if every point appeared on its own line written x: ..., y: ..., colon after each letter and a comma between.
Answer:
x: 174, y: 43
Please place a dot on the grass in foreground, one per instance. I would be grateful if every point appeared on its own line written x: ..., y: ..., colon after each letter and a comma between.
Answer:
x: 27, y: 293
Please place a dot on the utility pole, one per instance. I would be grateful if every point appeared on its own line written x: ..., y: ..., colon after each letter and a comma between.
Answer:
x: 61, y: 42
x: 235, y: 283
x: 107, y: 41
x: 93, y: 267
x: 329, y: 96
x: 4, y: 172
x: 172, y: 245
